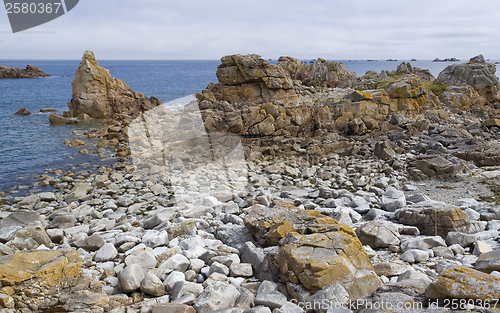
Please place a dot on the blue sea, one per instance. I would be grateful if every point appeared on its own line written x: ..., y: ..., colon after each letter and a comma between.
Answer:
x: 29, y: 144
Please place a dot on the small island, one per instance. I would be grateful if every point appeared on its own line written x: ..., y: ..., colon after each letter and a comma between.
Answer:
x: 29, y: 72
x: 446, y: 60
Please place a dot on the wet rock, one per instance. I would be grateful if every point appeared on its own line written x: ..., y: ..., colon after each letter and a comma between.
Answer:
x: 56, y: 119
x: 23, y: 111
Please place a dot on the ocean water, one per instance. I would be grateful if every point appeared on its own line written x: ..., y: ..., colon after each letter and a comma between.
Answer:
x: 29, y: 144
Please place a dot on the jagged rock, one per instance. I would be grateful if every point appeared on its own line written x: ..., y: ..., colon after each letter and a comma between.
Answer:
x: 56, y: 119
x: 250, y: 78
x: 463, y: 283
x: 477, y: 73
x: 321, y: 73
x: 49, y: 268
x: 30, y: 72
x: 99, y: 95
x: 321, y: 259
x: 435, y: 219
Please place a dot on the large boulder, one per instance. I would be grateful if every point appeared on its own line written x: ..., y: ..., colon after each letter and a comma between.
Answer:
x: 248, y: 77
x: 319, y: 260
x: 476, y: 73
x: 459, y: 282
x: 321, y: 73
x: 29, y: 72
x: 434, y: 218
x: 315, y: 250
x: 47, y: 267
x: 270, y: 225
x: 99, y: 95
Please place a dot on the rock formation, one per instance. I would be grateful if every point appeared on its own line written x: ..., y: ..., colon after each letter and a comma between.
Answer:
x: 30, y: 72
x: 250, y: 78
x: 236, y: 103
x: 321, y: 73
x: 23, y: 111
x: 99, y: 95
x: 56, y: 119
x: 407, y: 68
x: 476, y: 73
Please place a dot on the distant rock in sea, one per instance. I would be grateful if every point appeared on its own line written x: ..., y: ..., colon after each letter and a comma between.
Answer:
x: 56, y: 119
x: 29, y: 72
x: 99, y: 95
x: 446, y: 60
x: 22, y: 111
x: 391, y: 60
x: 413, y: 60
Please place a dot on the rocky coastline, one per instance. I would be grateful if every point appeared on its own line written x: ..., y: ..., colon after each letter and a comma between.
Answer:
x: 282, y: 188
x: 29, y: 72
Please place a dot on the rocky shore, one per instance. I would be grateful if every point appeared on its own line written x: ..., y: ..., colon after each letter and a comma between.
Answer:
x: 29, y: 72
x: 283, y: 188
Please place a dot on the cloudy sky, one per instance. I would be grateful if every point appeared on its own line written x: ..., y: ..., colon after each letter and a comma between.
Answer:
x: 209, y: 29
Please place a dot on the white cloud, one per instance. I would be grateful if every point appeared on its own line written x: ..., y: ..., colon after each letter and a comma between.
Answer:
x: 195, y: 29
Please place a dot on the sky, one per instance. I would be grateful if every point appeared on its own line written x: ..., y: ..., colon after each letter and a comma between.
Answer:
x: 210, y: 29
